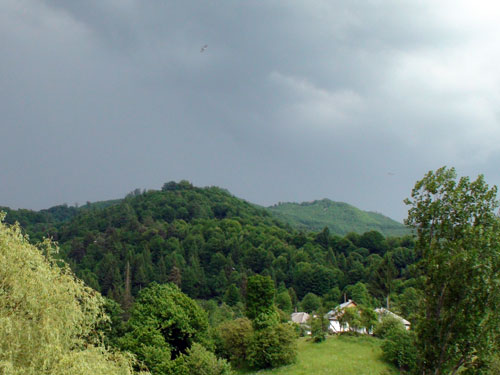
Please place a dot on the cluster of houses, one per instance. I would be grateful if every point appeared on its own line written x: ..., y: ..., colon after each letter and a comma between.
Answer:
x: 334, y: 316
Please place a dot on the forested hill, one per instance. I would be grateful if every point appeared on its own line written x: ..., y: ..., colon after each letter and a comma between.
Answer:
x: 340, y: 218
x: 209, y: 242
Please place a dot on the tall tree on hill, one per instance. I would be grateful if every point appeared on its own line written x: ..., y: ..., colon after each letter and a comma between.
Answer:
x: 459, y: 245
x: 382, y: 281
x: 260, y: 297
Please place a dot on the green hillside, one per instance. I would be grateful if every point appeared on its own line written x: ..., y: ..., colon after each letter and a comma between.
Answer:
x: 340, y: 218
x: 208, y: 242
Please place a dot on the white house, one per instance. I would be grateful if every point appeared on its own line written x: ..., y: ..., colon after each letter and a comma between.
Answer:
x: 335, y: 315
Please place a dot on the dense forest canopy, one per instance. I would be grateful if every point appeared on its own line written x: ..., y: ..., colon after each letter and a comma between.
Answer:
x: 209, y: 242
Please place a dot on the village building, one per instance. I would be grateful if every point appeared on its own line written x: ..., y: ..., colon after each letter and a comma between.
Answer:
x: 334, y: 316
x: 302, y: 319
x: 337, y: 326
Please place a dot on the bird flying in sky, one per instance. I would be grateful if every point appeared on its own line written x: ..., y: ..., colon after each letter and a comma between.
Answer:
x: 203, y: 48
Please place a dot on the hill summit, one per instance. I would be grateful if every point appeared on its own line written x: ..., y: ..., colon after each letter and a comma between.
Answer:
x: 341, y: 218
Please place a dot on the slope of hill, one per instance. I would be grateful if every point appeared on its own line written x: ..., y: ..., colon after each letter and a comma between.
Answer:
x: 338, y: 355
x: 340, y: 218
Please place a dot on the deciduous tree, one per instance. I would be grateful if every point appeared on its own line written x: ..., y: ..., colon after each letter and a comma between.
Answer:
x: 459, y: 246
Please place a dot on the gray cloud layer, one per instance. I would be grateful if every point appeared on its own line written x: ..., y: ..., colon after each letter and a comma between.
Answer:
x: 291, y: 101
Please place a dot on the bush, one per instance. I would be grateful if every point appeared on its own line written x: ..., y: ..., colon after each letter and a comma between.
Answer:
x: 272, y: 347
x: 387, y: 326
x: 319, y: 327
x: 235, y: 337
x: 399, y: 349
x: 199, y: 361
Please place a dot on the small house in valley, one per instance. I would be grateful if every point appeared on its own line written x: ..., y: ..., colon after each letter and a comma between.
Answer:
x: 335, y: 317
x: 302, y: 319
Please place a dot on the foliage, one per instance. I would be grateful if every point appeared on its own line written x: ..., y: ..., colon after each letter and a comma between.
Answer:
x: 368, y: 318
x: 232, y: 295
x: 359, y: 294
x: 260, y: 301
x: 351, y: 317
x: 399, y: 349
x: 272, y: 347
x: 47, y: 316
x: 236, y: 335
x: 331, y: 298
x: 319, y: 326
x: 164, y: 323
x: 284, y: 302
x: 311, y: 302
x: 387, y: 326
x: 458, y: 242
x: 199, y: 361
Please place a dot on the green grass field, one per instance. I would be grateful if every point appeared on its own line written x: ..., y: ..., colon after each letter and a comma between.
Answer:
x: 338, y: 355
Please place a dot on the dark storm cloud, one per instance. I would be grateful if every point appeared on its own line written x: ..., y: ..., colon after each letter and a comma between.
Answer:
x: 290, y: 100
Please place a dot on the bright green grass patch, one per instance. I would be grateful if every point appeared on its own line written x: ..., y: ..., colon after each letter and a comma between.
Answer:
x: 342, y: 355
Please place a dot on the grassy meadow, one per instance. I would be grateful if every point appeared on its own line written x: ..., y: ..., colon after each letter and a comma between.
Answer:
x: 338, y: 355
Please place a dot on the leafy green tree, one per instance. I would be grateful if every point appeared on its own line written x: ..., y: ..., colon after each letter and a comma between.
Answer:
x: 236, y: 336
x: 359, y: 294
x: 311, y: 302
x: 407, y: 303
x: 260, y: 297
x: 319, y: 326
x: 351, y: 317
x: 399, y: 349
x: 273, y: 347
x: 368, y: 318
x: 48, y: 318
x: 284, y: 302
x: 459, y: 247
x: 382, y: 281
x: 387, y: 325
x: 163, y: 323
x: 373, y: 241
x: 232, y: 295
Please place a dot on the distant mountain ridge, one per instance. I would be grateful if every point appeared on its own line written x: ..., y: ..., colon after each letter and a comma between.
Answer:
x: 341, y: 218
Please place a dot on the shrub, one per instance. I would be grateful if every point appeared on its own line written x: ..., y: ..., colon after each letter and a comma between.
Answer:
x: 319, y: 327
x: 272, y: 347
x: 399, y: 349
x: 235, y: 337
x: 199, y: 361
x: 387, y: 326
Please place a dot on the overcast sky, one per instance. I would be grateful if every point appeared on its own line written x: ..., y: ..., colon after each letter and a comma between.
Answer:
x: 291, y: 100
